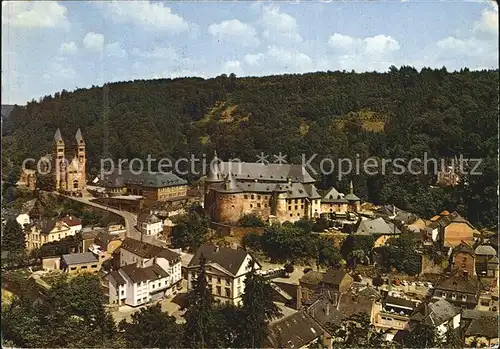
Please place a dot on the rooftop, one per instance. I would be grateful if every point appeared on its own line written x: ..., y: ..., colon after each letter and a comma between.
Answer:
x: 147, y: 250
x: 228, y: 258
x: 294, y: 331
x: 484, y: 326
x: 137, y: 274
x: 79, y: 258
x: 145, y: 179
x: 376, y: 226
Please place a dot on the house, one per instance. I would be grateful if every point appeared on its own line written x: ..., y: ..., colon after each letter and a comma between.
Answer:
x: 393, y: 313
x: 80, y: 262
x: 151, y: 186
x: 23, y: 219
x: 144, y: 255
x: 107, y: 243
x: 51, y: 263
x: 299, y: 330
x: 149, y: 224
x: 440, y: 314
x: 459, y: 288
x: 486, y: 261
x: 358, y: 299
x: 46, y: 230
x: 379, y: 229
x: 482, y: 332
x: 452, y: 229
x: 324, y: 310
x: 314, y: 282
x: 463, y: 258
x: 334, y: 202
x: 226, y: 270
x: 74, y: 224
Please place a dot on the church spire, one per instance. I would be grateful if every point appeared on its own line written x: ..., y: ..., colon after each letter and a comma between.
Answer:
x: 57, y: 136
x: 79, y: 137
x: 351, y: 188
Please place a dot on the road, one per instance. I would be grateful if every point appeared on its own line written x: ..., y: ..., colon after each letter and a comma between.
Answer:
x: 129, y: 218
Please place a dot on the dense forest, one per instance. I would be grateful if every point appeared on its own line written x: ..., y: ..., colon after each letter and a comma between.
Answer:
x: 403, y: 113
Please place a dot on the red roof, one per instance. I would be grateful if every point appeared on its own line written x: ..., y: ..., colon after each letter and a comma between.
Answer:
x: 72, y: 221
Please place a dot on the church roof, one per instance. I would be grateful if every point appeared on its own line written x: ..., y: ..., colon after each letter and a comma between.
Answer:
x: 57, y: 136
x: 334, y: 196
x: 78, y: 136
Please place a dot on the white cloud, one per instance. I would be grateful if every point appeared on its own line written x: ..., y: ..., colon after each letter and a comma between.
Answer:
x: 276, y: 60
x: 234, y: 31
x: 279, y: 26
x: 379, y: 45
x: 145, y: 13
x: 115, y: 50
x: 253, y: 59
x: 93, y: 41
x: 68, y: 48
x: 36, y: 14
x: 232, y: 67
x: 157, y: 53
x: 488, y: 23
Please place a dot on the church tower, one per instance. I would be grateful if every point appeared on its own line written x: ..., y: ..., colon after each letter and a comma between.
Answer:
x: 80, y: 143
x: 59, y: 162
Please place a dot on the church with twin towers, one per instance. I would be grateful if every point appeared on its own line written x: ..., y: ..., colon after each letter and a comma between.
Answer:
x: 69, y: 164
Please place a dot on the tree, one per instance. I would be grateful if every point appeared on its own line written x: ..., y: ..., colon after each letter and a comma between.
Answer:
x: 251, y: 220
x: 258, y: 309
x: 289, y: 268
x: 377, y: 281
x: 13, y: 240
x: 421, y: 336
x: 356, y: 256
x: 252, y: 241
x: 200, y: 316
x: 356, y: 331
x: 152, y: 328
x: 190, y: 229
x: 70, y: 313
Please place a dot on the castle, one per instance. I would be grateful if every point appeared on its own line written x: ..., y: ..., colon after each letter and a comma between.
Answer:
x: 69, y: 175
x: 275, y: 192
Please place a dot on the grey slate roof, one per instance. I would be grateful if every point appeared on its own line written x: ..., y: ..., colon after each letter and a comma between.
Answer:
x: 435, y: 314
x: 266, y: 172
x: 459, y: 283
x: 485, y: 250
x: 57, y: 136
x: 294, y: 331
x: 325, y: 312
x: 147, y: 250
x: 399, y: 301
x: 464, y: 247
x: 146, y: 217
x: 145, y: 179
x: 79, y: 258
x: 351, y: 197
x: 137, y: 274
x: 78, y: 136
x: 333, y: 196
x: 228, y: 258
x: 485, y: 326
x: 376, y: 226
x: 118, y: 278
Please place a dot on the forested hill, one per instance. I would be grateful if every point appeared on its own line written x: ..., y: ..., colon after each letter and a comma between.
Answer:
x: 402, y: 113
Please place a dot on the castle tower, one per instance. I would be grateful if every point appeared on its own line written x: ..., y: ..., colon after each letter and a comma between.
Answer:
x: 214, y: 176
x: 80, y: 143
x: 59, y: 162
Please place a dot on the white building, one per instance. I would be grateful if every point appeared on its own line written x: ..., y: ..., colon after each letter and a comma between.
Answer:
x: 226, y: 270
x: 23, y: 219
x: 149, y: 224
x: 74, y: 224
x: 146, y: 272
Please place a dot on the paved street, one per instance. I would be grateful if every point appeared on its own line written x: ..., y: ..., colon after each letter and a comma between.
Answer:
x: 129, y: 218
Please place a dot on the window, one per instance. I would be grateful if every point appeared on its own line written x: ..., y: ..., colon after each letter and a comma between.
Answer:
x: 258, y: 205
x: 289, y: 208
x: 258, y: 197
x: 218, y: 280
x: 251, y: 205
x: 291, y: 215
x: 122, y: 292
x: 246, y: 196
x: 153, y: 286
x: 228, y: 292
x: 298, y: 214
x: 252, y: 197
x: 93, y: 266
x: 219, y: 290
x: 265, y: 205
x: 485, y: 303
x: 295, y: 201
x: 83, y: 267
x: 73, y: 268
x: 296, y: 207
x: 301, y: 206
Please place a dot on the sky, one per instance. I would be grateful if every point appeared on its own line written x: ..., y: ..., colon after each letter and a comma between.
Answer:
x: 50, y: 46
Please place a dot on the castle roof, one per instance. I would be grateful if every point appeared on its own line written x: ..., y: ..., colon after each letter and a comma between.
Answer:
x: 250, y: 171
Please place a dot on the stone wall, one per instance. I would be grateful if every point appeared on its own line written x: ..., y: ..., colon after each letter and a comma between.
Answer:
x: 235, y: 231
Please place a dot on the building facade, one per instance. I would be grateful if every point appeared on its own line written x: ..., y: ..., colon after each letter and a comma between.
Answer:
x: 150, y: 186
x: 226, y: 271
x: 69, y: 165
x: 149, y: 224
x: 47, y: 230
